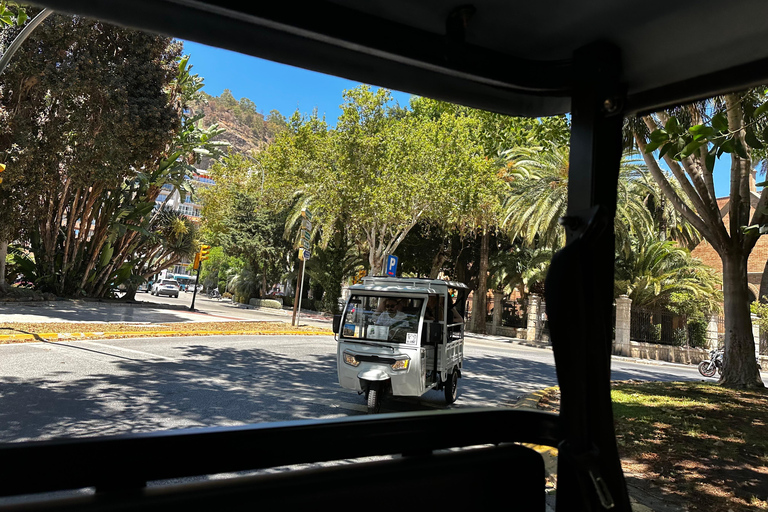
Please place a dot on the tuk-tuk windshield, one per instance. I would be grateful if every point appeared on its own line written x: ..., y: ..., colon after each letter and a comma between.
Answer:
x: 382, y: 318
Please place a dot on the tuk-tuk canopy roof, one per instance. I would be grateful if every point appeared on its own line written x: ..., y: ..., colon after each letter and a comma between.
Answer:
x: 509, y: 57
x: 406, y: 285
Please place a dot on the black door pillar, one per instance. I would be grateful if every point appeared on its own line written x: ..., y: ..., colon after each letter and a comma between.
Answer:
x: 579, y: 289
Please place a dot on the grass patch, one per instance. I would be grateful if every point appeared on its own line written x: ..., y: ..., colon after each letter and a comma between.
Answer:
x: 700, y: 444
x: 20, y: 332
x: 694, y: 445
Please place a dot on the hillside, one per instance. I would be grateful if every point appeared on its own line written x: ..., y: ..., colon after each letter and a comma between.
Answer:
x: 246, y: 129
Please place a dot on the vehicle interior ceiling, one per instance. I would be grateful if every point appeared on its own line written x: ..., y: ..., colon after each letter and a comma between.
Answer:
x: 599, y: 61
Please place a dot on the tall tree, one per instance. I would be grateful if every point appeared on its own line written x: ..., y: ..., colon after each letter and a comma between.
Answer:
x: 688, y: 140
x: 255, y: 234
x: 379, y: 171
x: 538, y: 194
x: 480, y: 194
x: 94, y: 130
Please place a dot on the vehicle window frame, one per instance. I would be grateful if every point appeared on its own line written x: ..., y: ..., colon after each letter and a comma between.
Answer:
x: 418, y: 316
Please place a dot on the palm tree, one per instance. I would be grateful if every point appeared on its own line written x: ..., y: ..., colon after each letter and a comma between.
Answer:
x: 651, y: 274
x: 538, y: 198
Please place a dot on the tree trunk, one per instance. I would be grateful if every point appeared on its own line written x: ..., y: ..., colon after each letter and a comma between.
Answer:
x: 740, y: 369
x: 440, y: 258
x: 3, y: 255
x: 130, y: 295
x: 479, y: 296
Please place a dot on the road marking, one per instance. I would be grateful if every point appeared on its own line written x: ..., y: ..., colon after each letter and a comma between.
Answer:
x: 140, y: 352
x: 244, y: 319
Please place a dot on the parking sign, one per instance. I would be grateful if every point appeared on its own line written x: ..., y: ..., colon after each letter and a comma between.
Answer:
x: 392, y: 266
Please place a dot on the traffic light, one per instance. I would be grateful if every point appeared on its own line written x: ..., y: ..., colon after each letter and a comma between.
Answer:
x: 196, y: 264
x: 2, y: 168
x: 204, y: 250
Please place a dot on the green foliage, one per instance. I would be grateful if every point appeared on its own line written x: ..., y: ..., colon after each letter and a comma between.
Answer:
x: 217, y: 267
x: 697, y: 333
x: 266, y: 303
x: 680, y: 337
x: 254, y: 234
x: 655, y: 333
x: 761, y: 310
x: 100, y: 129
x: 664, y: 275
x: 20, y: 265
x: 381, y: 171
x: 245, y: 112
x: 690, y: 139
x: 12, y: 13
x: 537, y: 197
x: 714, y: 136
x: 498, y: 133
x: 330, y: 266
x: 690, y: 305
x: 243, y: 286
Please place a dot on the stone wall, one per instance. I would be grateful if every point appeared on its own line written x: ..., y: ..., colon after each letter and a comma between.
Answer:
x: 668, y: 353
x: 509, y: 332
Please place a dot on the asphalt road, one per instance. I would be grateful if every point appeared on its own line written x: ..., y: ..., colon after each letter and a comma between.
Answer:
x: 92, y: 388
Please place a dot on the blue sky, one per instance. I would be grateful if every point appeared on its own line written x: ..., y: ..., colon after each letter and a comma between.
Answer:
x: 285, y: 88
x: 271, y: 85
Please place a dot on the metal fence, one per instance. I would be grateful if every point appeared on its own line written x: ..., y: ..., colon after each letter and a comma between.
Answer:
x: 666, y: 328
x: 652, y: 326
x: 514, y: 313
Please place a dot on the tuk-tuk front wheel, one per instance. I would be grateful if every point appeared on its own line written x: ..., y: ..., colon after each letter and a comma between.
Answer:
x: 374, y: 398
x: 451, y: 387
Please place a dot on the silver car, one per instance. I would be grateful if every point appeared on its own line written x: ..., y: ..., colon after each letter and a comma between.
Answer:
x: 168, y: 287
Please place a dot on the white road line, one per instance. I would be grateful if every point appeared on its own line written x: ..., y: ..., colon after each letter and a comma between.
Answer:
x: 132, y: 351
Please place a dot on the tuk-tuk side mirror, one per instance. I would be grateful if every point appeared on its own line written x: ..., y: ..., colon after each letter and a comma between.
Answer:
x: 336, y: 324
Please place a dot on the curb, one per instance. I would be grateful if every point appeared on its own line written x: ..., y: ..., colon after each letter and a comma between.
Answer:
x: 53, y: 336
x: 548, y: 453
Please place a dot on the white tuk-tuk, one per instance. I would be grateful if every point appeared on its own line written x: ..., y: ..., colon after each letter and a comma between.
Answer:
x: 402, y: 337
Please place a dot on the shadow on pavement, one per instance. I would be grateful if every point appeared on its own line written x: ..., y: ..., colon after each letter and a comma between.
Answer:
x: 206, y: 385
x: 92, y: 312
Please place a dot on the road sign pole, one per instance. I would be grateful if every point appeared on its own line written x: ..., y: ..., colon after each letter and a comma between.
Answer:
x: 301, y: 292
x: 297, y: 298
x: 197, y: 281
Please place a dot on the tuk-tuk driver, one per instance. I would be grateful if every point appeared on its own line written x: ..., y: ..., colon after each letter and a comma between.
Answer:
x: 391, y: 316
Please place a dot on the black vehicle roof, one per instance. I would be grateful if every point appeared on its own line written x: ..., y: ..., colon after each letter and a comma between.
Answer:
x: 510, y: 57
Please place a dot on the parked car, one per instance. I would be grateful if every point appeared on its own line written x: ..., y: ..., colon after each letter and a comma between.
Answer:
x: 168, y: 287
x: 143, y: 287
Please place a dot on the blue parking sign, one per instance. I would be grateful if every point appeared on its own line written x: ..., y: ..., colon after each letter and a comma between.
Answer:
x: 392, y: 266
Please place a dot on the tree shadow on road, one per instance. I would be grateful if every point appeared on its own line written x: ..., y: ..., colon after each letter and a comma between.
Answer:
x: 209, y: 385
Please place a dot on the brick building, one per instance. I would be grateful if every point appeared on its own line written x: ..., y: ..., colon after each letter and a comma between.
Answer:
x: 757, y: 258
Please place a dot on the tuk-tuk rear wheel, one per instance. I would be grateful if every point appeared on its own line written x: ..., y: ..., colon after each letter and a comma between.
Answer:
x: 451, y: 387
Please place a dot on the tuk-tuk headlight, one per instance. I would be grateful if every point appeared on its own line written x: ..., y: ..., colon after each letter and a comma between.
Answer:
x: 350, y: 359
x: 401, y: 364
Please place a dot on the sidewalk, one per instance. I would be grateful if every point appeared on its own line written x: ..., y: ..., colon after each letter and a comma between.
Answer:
x: 547, y: 346
x: 143, y: 312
